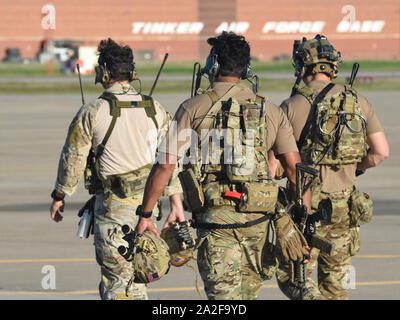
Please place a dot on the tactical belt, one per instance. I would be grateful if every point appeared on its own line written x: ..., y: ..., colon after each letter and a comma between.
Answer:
x: 206, y: 225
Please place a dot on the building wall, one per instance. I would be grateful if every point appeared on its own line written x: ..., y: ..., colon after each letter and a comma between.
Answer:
x: 367, y: 29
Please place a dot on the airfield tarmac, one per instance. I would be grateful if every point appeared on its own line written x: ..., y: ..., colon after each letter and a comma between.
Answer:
x: 32, y: 133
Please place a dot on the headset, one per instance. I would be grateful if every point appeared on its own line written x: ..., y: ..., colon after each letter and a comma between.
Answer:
x: 212, y: 67
x: 103, y: 74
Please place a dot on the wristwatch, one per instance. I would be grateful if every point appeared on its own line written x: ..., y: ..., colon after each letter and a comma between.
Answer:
x: 142, y: 214
x: 57, y: 196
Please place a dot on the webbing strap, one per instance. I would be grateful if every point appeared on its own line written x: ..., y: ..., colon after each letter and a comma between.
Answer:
x: 206, y: 225
x: 148, y: 106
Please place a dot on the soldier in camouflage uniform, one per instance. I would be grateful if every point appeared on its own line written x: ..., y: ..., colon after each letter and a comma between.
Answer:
x: 134, y: 125
x: 316, y: 62
x: 237, y: 198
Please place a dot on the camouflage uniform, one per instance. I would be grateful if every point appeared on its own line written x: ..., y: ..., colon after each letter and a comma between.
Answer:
x: 332, y: 269
x: 229, y: 260
x: 338, y: 184
x: 132, y: 145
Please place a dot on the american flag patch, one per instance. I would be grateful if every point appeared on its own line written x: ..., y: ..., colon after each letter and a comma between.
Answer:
x: 153, y: 277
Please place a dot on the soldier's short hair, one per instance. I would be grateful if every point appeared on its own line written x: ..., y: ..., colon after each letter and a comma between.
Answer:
x: 117, y: 58
x: 233, y: 53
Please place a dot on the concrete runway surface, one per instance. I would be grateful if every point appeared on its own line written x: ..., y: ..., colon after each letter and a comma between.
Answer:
x: 33, y: 247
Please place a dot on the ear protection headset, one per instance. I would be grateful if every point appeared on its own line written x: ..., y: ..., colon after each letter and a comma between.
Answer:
x: 103, y: 73
x: 212, y: 67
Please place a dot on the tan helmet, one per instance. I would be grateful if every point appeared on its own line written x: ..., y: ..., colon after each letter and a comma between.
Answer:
x: 317, y: 55
x: 152, y: 260
x: 148, y: 253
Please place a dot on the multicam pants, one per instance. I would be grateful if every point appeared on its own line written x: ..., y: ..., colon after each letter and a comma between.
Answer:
x: 332, y: 270
x: 111, y: 212
x: 229, y: 260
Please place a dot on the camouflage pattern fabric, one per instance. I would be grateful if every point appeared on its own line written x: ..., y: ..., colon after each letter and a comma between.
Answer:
x: 112, y: 212
x: 338, y: 135
x: 151, y: 258
x: 332, y: 270
x: 76, y: 148
x: 229, y: 260
x: 319, y: 55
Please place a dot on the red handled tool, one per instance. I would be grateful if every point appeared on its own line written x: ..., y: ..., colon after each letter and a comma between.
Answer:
x: 233, y: 194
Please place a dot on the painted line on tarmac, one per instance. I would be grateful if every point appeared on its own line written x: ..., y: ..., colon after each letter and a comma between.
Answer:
x: 365, y: 256
x: 88, y: 292
x: 47, y: 260
x: 377, y: 256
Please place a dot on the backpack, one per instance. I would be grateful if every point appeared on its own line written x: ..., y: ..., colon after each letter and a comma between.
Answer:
x: 335, y: 131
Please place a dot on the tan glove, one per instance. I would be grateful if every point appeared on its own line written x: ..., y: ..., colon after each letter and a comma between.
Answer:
x: 290, y: 239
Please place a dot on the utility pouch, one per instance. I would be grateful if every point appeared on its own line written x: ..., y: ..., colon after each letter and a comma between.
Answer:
x: 130, y: 185
x: 361, y: 208
x: 192, y: 190
x: 259, y: 196
x: 213, y: 194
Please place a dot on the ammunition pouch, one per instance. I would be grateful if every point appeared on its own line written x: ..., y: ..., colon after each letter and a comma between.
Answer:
x: 259, y: 196
x: 361, y: 208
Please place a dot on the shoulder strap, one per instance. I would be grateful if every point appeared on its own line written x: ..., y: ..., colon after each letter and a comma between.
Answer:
x: 115, y: 111
x: 305, y: 91
x: 311, y: 114
x: 148, y: 104
x: 216, y: 106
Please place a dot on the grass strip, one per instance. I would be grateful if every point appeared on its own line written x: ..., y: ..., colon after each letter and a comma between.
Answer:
x: 186, y: 67
x: 174, y: 86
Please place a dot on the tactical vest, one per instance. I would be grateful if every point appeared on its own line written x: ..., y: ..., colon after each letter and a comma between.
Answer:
x: 125, y: 184
x: 231, y: 168
x: 335, y: 132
